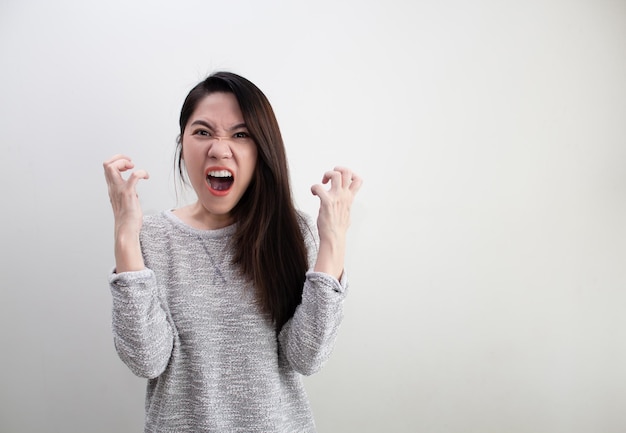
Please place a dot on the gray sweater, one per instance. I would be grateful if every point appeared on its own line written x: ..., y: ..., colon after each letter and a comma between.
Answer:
x: 189, y: 324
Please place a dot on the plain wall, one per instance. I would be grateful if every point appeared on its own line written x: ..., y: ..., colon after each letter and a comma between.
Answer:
x: 487, y: 253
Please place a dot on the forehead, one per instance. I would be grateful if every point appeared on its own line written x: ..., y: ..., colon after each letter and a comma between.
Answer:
x: 218, y: 107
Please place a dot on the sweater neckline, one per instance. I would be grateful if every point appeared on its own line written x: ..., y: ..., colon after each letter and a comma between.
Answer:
x: 181, y: 225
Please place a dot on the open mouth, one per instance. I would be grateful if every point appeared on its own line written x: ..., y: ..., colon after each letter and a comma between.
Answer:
x: 220, y: 180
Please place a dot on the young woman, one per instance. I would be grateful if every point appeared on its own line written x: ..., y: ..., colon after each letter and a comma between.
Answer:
x: 225, y: 303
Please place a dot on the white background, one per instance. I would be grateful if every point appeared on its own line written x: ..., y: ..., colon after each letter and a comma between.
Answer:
x: 487, y: 253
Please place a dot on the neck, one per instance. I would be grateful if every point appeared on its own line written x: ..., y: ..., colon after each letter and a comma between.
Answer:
x: 198, y: 217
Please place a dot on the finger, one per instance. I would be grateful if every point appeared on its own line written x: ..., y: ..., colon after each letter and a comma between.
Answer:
x: 356, y: 183
x: 117, y: 163
x: 135, y: 176
x: 349, y: 179
x: 346, y: 176
x: 334, y: 177
x: 114, y: 166
x: 115, y: 158
x: 319, y: 191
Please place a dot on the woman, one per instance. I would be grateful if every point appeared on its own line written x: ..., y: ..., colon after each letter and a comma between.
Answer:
x: 225, y: 303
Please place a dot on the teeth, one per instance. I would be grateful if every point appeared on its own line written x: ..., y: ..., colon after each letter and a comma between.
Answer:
x: 220, y: 173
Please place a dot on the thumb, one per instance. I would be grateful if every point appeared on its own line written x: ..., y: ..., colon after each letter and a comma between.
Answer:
x: 318, y: 190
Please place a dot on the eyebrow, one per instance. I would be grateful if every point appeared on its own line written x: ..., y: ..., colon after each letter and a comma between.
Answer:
x: 208, y: 125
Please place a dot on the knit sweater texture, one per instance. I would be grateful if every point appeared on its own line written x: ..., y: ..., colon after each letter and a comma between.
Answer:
x: 189, y: 323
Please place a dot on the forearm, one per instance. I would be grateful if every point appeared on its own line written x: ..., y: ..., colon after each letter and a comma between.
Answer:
x: 128, y: 256
x: 308, y: 338
x: 126, y: 212
x: 331, y: 256
x: 142, y: 333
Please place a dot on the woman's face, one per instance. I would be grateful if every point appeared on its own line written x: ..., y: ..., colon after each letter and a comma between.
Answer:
x: 219, y: 154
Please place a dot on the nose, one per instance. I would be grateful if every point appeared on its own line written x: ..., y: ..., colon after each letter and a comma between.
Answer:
x: 220, y: 148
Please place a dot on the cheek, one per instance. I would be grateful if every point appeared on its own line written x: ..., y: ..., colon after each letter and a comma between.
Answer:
x: 248, y: 167
x: 190, y: 164
x: 192, y: 153
x: 252, y: 156
x: 252, y: 161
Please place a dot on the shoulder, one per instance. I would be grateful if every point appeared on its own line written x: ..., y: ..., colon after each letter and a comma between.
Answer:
x: 308, y: 227
x: 155, y: 223
x: 157, y: 228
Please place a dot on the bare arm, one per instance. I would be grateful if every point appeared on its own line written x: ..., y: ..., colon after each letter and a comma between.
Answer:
x: 334, y: 218
x: 126, y: 211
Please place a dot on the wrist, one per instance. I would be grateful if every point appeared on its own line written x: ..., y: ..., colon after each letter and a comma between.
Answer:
x: 330, y: 259
x: 128, y: 256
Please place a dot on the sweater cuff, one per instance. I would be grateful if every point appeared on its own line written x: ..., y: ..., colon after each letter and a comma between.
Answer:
x: 133, y: 279
x: 329, y: 282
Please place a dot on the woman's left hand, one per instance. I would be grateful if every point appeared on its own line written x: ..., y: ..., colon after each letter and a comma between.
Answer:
x: 334, y: 217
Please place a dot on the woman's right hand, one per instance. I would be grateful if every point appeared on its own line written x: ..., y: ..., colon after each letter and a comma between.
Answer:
x: 126, y: 211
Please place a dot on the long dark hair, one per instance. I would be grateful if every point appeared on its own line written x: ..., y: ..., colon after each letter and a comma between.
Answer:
x: 268, y: 242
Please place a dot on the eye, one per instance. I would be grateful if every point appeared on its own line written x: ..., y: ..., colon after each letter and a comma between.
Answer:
x: 202, y: 133
x: 241, y: 134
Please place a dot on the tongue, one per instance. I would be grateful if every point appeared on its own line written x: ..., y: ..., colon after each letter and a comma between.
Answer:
x: 220, y: 183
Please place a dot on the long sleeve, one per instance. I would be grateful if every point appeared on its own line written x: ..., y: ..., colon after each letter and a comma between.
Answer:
x: 190, y: 323
x: 142, y: 334
x: 308, y: 338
